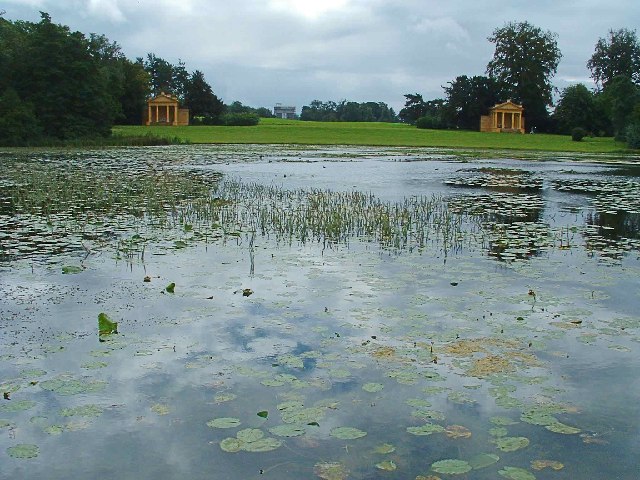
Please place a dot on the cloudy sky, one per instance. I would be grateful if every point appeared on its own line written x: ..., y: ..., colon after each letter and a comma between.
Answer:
x: 263, y: 52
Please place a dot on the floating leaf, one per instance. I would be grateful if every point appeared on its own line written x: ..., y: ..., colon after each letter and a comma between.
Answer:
x: 331, y: 471
x: 387, y: 465
x: 287, y: 430
x: 457, y: 431
x: 71, y: 269
x: 246, y: 292
x: 559, y: 427
x: 170, y: 288
x: 538, y: 417
x: 105, y: 325
x: 542, y: 464
x: 224, y: 422
x: 372, y: 387
x: 250, y: 435
x: 5, y: 424
x: 347, y: 433
x: 23, y: 450
x: 384, y: 449
x: 231, y: 445
x: 19, y: 406
x: 483, y: 460
x: 262, y: 445
x: 418, y: 402
x: 515, y: 473
x: 451, y: 467
x: 502, y: 421
x: 54, y: 429
x: 498, y: 432
x: 160, y: 409
x: 263, y: 414
x: 426, y: 429
x: 511, y: 444
x: 83, y: 411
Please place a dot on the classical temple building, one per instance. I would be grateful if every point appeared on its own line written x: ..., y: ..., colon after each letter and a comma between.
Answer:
x: 164, y: 109
x: 503, y: 117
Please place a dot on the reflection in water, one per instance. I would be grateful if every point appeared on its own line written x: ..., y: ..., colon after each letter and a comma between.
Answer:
x: 359, y: 349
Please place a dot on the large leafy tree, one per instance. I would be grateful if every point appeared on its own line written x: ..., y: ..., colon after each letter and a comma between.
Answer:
x: 200, y: 99
x: 414, y: 108
x: 621, y: 100
x: 524, y: 61
x: 468, y: 98
x: 166, y: 77
x: 615, y: 56
x: 576, y: 108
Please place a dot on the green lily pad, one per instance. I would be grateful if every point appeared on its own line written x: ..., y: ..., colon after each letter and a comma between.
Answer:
x: 426, y: 429
x: 502, y: 421
x: 231, y: 445
x: 263, y: 414
x: 288, y: 430
x: 331, y: 471
x: 71, y: 269
x: 451, y: 467
x: 515, y: 473
x: 250, y: 435
x: 418, y: 403
x: 372, y: 387
x: 23, y: 450
x: 304, y: 415
x: 511, y: 444
x: 387, y: 465
x: 53, y: 429
x: 224, y: 422
x: 483, y: 460
x: 83, y: 411
x: 94, y: 365
x: 384, y: 449
x: 105, y: 325
x: 262, y: 445
x: 160, y: 409
x: 33, y: 373
x: 70, y: 385
x: 537, y: 417
x: 5, y: 423
x: 347, y: 433
x: 225, y: 397
x: 559, y: 427
x: 498, y: 432
x: 171, y: 288
x: 18, y: 406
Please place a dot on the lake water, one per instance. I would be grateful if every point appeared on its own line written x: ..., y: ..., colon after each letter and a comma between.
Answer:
x: 335, y: 313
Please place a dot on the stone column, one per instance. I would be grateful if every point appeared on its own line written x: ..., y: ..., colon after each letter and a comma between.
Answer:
x: 148, y: 114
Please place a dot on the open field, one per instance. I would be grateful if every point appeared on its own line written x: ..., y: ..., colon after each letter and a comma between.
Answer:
x: 274, y: 131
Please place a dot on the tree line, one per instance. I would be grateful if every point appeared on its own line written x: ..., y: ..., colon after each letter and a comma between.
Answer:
x: 346, y: 111
x: 57, y: 85
x: 524, y: 62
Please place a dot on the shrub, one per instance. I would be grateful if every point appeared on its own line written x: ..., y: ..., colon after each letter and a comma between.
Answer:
x: 578, y: 133
x: 633, y: 135
x: 240, y: 119
x: 429, y: 121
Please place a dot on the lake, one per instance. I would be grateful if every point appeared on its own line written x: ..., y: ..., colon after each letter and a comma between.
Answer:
x: 241, y: 312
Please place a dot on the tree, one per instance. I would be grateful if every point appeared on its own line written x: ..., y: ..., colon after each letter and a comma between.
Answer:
x: 166, y: 77
x: 18, y: 123
x: 620, y: 99
x: 576, y: 108
x: 468, y: 98
x: 414, y: 108
x: 617, y: 55
x: 524, y: 61
x: 200, y: 99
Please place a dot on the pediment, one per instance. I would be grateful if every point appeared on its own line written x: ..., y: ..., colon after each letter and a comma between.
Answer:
x: 509, y: 106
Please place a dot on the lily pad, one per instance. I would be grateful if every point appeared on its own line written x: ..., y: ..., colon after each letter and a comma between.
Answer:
x: 542, y: 464
x: 71, y: 269
x: 511, y: 444
x: 83, y: 411
x: 387, y: 466
x: 426, y: 429
x: 23, y: 450
x: 347, y: 433
x: 231, y: 445
x: 384, y: 449
x: 224, y: 422
x: 262, y: 445
x: 372, y: 387
x: 5, y: 423
x: 451, y: 467
x: 250, y: 435
x: 287, y: 430
x: 331, y: 471
x: 559, y: 427
x: 171, y: 288
x: 18, y: 406
x: 160, y: 409
x: 224, y: 397
x: 515, y: 473
x: 483, y: 460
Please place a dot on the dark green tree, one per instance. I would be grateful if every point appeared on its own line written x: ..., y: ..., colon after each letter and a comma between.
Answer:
x: 468, y: 98
x: 620, y: 99
x: 63, y: 81
x: 18, y: 123
x: 614, y: 56
x: 200, y: 99
x: 576, y: 108
x: 524, y: 61
x: 166, y: 77
x: 414, y: 108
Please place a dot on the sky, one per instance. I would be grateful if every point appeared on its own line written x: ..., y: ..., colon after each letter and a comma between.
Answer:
x: 263, y: 52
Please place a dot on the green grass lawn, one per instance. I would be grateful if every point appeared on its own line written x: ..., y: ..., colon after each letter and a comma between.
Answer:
x: 295, y: 132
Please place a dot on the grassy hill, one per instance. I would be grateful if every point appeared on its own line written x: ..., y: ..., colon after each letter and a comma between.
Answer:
x: 275, y: 131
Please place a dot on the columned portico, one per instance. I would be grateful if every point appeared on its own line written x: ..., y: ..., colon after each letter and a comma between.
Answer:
x: 503, y: 117
x: 164, y: 109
